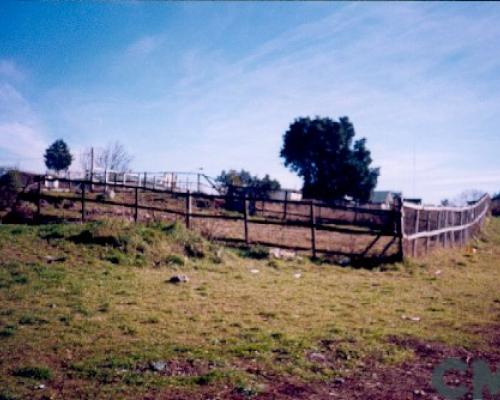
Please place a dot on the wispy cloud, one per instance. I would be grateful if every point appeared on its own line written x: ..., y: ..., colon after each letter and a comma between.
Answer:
x: 10, y: 70
x: 23, y: 141
x: 22, y: 137
x: 144, y: 45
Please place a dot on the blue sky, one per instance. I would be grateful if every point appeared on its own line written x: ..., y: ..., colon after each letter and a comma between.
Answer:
x: 215, y: 85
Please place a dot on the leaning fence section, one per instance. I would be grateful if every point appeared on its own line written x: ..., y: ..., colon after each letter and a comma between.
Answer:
x: 425, y: 228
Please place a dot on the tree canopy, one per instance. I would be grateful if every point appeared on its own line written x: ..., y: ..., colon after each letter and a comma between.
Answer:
x: 331, y: 163
x: 242, y: 181
x: 57, y: 156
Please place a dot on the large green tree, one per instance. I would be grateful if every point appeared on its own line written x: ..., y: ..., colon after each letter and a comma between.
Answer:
x: 331, y: 163
x: 57, y: 156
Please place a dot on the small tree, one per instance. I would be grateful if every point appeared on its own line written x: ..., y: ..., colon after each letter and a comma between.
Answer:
x: 113, y: 157
x: 10, y: 185
x: 237, y: 184
x: 57, y: 156
x: 322, y: 152
x: 243, y: 182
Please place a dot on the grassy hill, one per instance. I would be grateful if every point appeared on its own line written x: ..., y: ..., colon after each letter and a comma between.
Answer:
x: 87, y: 312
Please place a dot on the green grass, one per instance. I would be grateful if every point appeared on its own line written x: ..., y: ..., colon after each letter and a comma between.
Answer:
x: 104, y: 311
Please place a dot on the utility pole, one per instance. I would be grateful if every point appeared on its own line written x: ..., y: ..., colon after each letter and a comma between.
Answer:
x: 91, y: 169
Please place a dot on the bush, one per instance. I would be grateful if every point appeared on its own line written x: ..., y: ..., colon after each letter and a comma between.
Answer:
x: 10, y: 185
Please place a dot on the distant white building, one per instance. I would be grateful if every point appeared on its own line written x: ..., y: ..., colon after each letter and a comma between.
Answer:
x: 288, y: 194
x: 384, y: 198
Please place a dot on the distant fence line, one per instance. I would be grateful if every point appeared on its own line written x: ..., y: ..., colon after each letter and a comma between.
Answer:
x: 167, y: 180
x: 407, y: 229
x: 446, y: 226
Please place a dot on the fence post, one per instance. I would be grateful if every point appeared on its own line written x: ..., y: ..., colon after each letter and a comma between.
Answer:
x: 285, y: 205
x: 188, y: 209
x: 446, y: 226
x: 414, y: 244
x: 91, y: 169
x: 136, y: 205
x: 245, y: 217
x: 428, y: 230
x: 39, y: 199
x: 399, y: 225
x: 461, y: 230
x: 313, y: 229
x: 83, y: 202
x: 439, y: 218
x: 145, y: 180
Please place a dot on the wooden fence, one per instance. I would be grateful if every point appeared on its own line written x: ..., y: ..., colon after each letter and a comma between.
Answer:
x: 425, y: 227
x: 358, y: 232
x: 305, y: 225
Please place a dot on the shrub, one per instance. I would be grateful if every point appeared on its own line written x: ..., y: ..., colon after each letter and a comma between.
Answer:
x: 10, y: 184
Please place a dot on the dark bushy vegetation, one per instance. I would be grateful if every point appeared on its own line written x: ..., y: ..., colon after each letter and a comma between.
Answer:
x: 236, y: 185
x: 10, y: 185
x: 57, y: 156
x: 322, y: 152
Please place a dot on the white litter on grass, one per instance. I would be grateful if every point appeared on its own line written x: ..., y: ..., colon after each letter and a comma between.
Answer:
x: 254, y: 271
x: 297, y: 275
x: 414, y: 319
x: 438, y: 272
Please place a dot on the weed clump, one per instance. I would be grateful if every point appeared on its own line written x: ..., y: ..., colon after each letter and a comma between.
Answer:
x: 174, y: 259
x: 7, y: 396
x: 256, y: 252
x: 8, y: 331
x: 29, y: 319
x: 32, y: 372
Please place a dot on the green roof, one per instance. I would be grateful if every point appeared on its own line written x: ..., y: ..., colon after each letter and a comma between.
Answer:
x: 380, y: 196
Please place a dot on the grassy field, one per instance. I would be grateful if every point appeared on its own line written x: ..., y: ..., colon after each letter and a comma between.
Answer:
x: 87, y: 312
